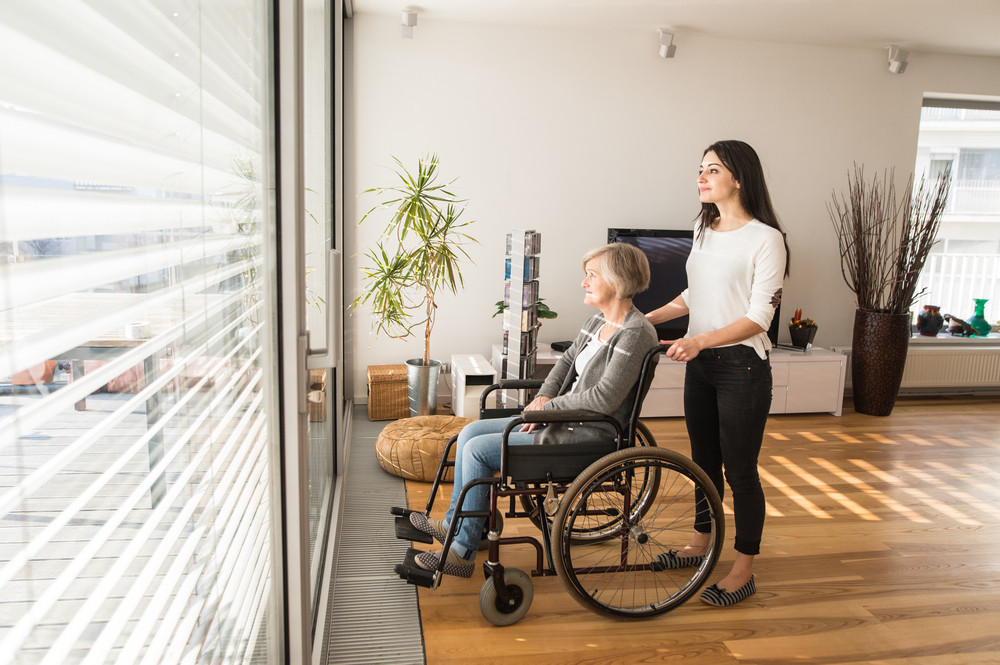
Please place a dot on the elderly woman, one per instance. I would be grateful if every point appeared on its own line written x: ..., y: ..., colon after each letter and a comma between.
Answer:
x: 599, y: 372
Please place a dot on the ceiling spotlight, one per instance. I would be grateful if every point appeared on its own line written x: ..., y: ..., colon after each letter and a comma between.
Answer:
x: 409, y: 20
x: 667, y: 47
x: 897, y: 59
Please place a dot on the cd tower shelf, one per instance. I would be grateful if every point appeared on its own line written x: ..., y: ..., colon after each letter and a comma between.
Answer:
x: 520, y: 322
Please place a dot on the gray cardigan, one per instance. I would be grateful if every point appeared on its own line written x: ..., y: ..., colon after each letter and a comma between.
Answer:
x: 608, y: 383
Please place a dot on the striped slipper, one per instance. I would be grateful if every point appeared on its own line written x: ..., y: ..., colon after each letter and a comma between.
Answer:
x: 429, y: 525
x: 453, y: 565
x: 713, y: 595
x: 672, y: 560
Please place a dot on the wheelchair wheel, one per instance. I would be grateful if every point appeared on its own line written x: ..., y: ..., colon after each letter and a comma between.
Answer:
x: 598, y: 529
x: 521, y: 591
x: 620, y: 576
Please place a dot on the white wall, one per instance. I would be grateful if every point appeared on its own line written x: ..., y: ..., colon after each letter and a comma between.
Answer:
x: 569, y: 132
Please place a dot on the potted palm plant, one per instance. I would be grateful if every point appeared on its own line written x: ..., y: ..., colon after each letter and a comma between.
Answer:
x: 883, y: 247
x: 418, y: 255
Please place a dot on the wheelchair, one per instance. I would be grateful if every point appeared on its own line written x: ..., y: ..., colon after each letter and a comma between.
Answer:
x: 605, y: 511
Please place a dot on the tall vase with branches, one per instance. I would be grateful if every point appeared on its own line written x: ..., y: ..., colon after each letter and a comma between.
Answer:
x: 884, y: 241
x: 418, y: 255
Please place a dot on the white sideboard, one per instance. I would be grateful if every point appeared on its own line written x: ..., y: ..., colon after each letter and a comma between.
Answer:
x: 804, y: 382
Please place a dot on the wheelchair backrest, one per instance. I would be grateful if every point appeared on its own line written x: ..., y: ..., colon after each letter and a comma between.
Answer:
x: 649, y: 364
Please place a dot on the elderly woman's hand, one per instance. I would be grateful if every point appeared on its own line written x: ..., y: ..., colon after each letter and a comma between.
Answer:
x: 536, y: 404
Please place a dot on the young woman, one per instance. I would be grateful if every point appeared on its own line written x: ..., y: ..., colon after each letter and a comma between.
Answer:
x: 735, y: 274
x: 599, y: 372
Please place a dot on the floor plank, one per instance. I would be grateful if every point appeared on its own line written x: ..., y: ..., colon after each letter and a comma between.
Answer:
x: 882, y: 546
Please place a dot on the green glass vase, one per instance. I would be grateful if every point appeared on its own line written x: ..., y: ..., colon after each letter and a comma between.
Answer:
x: 978, y: 320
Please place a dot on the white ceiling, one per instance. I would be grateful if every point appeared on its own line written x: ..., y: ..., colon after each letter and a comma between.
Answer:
x: 966, y: 27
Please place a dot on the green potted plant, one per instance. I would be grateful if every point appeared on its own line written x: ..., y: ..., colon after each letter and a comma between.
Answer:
x: 542, y: 309
x: 883, y: 247
x: 418, y: 254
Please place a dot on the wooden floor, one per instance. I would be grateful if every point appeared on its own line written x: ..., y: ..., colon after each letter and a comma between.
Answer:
x: 881, y: 546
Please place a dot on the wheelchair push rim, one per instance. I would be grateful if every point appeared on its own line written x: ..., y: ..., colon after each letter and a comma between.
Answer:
x: 620, y: 576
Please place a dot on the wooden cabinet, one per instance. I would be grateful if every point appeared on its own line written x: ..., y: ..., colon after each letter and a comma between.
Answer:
x: 804, y: 382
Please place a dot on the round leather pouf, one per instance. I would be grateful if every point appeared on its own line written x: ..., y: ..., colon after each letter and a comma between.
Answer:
x: 411, y: 448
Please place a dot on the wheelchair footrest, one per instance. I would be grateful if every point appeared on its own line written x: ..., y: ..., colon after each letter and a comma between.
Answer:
x: 406, y: 531
x: 412, y: 573
x: 399, y: 510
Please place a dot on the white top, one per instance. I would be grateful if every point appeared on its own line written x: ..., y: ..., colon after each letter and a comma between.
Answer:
x: 734, y: 275
x: 584, y: 357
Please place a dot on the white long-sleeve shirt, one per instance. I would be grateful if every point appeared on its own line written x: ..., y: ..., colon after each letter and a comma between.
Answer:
x: 734, y: 275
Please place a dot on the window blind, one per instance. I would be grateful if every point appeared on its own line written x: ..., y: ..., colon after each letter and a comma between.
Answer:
x: 136, y: 331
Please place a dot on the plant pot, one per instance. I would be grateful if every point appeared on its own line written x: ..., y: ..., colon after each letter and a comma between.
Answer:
x: 803, y: 337
x: 422, y: 385
x: 878, y: 357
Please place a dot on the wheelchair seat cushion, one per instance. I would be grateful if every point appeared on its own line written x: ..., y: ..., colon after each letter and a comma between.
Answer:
x: 411, y: 448
x: 564, y: 461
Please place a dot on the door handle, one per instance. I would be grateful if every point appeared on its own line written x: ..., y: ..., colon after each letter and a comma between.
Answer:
x: 328, y: 356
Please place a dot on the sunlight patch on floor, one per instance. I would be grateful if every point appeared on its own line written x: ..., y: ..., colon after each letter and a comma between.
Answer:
x: 868, y: 490
x: 803, y: 502
x: 823, y: 487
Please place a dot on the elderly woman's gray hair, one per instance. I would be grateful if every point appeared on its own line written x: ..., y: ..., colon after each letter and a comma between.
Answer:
x: 623, y: 266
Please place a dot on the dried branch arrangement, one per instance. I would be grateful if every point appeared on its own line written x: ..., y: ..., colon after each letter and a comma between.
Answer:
x: 884, y: 243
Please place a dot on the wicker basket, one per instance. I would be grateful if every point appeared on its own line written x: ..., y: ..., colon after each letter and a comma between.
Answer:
x: 387, y: 394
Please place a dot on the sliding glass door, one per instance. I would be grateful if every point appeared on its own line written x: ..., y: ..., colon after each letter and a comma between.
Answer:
x: 138, y: 362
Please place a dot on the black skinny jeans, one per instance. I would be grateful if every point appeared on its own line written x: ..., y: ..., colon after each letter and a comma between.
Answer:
x: 727, y: 396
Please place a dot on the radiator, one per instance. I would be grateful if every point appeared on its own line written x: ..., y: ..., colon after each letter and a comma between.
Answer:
x: 947, y: 369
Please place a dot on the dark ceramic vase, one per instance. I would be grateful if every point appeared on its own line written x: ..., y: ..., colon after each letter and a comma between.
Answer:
x: 930, y: 321
x: 878, y: 356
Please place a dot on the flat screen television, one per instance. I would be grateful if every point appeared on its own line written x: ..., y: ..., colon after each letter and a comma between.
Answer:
x: 667, y: 251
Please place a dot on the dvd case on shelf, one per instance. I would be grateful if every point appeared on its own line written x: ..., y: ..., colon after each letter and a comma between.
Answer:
x: 529, y: 294
x: 532, y: 243
x: 530, y: 268
x: 529, y: 317
x: 529, y: 341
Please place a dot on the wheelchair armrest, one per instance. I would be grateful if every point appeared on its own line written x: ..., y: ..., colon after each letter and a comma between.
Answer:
x: 563, y: 416
x: 517, y: 384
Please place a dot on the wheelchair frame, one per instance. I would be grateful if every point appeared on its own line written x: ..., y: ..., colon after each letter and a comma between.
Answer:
x: 597, y: 544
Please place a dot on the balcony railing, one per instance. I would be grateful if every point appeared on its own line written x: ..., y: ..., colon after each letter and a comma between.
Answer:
x: 954, y: 281
x: 974, y: 196
x: 962, y: 115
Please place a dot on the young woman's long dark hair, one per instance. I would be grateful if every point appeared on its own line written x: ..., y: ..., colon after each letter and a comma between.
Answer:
x: 743, y: 162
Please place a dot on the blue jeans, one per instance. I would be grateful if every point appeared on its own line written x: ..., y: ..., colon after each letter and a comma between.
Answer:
x: 477, y: 455
x: 727, y: 396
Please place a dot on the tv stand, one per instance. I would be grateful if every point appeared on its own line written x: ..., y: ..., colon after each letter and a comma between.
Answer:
x: 804, y: 382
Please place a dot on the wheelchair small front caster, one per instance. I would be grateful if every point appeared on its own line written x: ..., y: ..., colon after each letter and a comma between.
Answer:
x: 521, y: 593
